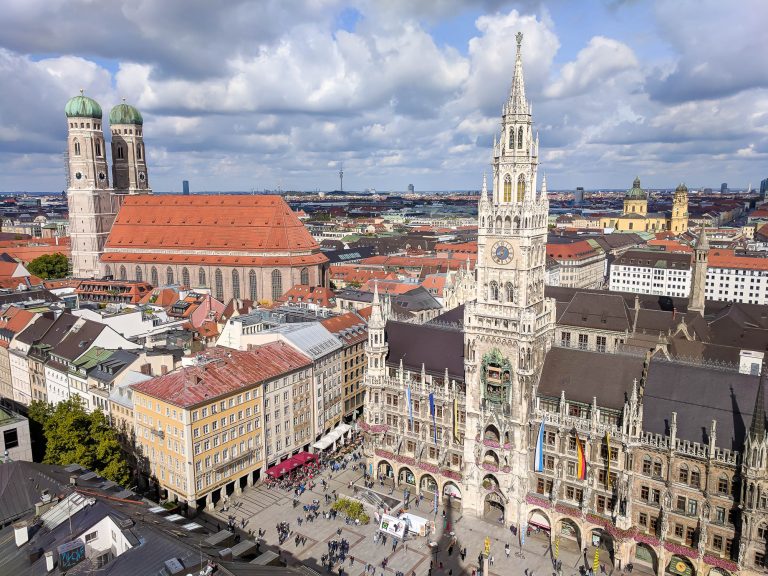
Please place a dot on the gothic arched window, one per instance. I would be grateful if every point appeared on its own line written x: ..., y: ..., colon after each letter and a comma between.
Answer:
x: 512, y: 138
x: 507, y: 188
x: 107, y: 271
x: 304, y: 277
x: 138, y: 151
x: 494, y: 291
x: 185, y: 276
x: 77, y: 148
x: 520, y: 188
x: 153, y: 277
x: 219, y: 285
x: 120, y: 151
x: 277, y: 284
x: 98, y: 148
x: 139, y: 275
x: 252, y: 292
x: 509, y: 292
x: 123, y: 273
x: 235, y: 284
x: 169, y: 275
x: 520, y: 138
x: 201, y: 277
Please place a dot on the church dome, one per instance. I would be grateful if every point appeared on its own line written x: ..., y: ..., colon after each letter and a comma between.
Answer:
x: 681, y: 188
x: 636, y: 192
x: 82, y: 107
x: 125, y: 114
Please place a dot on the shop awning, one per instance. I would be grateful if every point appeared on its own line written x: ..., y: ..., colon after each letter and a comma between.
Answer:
x: 282, y: 468
x: 304, y: 457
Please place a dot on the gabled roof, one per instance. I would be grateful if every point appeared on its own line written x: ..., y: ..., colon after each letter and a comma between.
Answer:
x: 234, y: 223
x: 223, y: 371
x: 434, y: 346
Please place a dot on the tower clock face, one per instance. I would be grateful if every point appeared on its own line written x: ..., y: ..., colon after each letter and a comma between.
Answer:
x: 501, y: 253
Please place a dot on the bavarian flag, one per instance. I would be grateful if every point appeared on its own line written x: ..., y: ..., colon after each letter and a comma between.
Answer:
x: 581, y: 461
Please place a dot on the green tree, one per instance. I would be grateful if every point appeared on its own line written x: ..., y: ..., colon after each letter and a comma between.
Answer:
x: 73, y: 435
x: 49, y: 266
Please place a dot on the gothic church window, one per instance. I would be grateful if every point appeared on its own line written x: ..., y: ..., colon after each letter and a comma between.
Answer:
x: 77, y: 148
x: 169, y: 275
x: 98, y: 148
x: 219, y: 285
x: 119, y: 152
x: 507, y: 188
x: 185, y: 276
x: 510, y: 292
x: 520, y: 138
x: 107, y: 271
x: 252, y: 285
x: 304, y: 277
x: 123, y: 273
x: 277, y: 284
x: 235, y: 284
x: 520, y: 188
x: 153, y: 277
x: 494, y: 293
x: 512, y: 138
x: 201, y: 277
x: 138, y: 151
x: 139, y: 275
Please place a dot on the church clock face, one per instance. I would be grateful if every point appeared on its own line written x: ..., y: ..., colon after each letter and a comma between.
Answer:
x: 501, y: 253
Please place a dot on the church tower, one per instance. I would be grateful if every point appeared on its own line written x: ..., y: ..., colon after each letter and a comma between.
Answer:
x: 679, y: 222
x: 699, y: 267
x: 636, y: 200
x: 129, y: 165
x: 92, y: 207
x: 509, y: 327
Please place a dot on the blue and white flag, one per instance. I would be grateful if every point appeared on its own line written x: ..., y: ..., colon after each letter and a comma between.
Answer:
x: 432, y: 412
x: 538, y: 455
x: 410, y: 405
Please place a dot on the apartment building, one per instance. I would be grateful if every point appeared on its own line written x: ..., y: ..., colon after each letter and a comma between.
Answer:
x: 582, y: 263
x: 652, y: 272
x: 352, y: 332
x: 200, y: 427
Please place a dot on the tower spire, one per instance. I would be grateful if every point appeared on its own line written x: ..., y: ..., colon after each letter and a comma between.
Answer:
x: 484, y: 192
x: 517, y: 101
x: 757, y: 428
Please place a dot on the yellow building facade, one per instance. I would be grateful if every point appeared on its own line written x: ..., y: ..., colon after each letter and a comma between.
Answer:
x: 200, y: 428
x: 636, y: 217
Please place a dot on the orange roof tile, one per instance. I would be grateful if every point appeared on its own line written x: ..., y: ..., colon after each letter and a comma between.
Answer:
x: 319, y: 295
x: 233, y: 223
x: 722, y: 258
x: 195, y: 259
x: 225, y: 372
x: 573, y: 251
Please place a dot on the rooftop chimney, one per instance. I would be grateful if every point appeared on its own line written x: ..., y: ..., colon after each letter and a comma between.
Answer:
x: 21, y: 533
x: 50, y: 564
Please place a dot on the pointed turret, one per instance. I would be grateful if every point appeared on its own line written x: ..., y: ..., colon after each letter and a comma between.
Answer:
x: 517, y: 103
x: 484, y: 192
x: 757, y: 428
x: 376, y: 316
x: 701, y: 242
x: 696, y: 300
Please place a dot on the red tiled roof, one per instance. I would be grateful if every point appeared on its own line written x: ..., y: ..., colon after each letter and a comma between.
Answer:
x: 366, y: 312
x: 261, y: 223
x: 310, y: 294
x: 573, y: 251
x: 12, y: 282
x: 343, y: 326
x: 66, y: 283
x: 225, y: 372
x: 463, y: 247
x: 722, y: 258
x: 670, y: 245
x: 14, y: 320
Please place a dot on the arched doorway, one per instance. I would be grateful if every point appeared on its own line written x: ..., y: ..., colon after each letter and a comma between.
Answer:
x: 493, y: 508
x: 427, y: 485
x: 405, y: 476
x: 645, y: 559
x: 491, y: 436
x: 385, y: 469
x: 452, y: 495
x: 539, y: 525
x: 680, y: 566
x: 570, y: 535
x: 603, y: 541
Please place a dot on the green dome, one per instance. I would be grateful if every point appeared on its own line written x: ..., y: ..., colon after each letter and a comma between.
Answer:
x: 125, y: 114
x: 682, y: 188
x: 82, y: 107
x: 636, y: 192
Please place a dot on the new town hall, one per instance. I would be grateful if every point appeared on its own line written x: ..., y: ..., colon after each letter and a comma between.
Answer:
x: 665, y: 403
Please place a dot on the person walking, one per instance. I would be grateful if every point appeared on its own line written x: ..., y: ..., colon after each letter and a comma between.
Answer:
x: 506, y: 550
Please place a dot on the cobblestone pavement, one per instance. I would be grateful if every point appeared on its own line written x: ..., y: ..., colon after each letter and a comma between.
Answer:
x: 263, y: 508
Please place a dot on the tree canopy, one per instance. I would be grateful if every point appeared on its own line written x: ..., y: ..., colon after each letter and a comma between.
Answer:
x: 73, y: 436
x: 49, y: 266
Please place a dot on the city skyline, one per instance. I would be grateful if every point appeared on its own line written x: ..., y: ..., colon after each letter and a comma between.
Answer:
x: 400, y: 94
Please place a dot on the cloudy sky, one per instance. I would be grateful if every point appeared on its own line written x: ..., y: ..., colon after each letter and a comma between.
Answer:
x: 240, y: 95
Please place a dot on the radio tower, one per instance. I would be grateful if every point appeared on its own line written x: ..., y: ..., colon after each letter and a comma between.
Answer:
x: 341, y: 176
